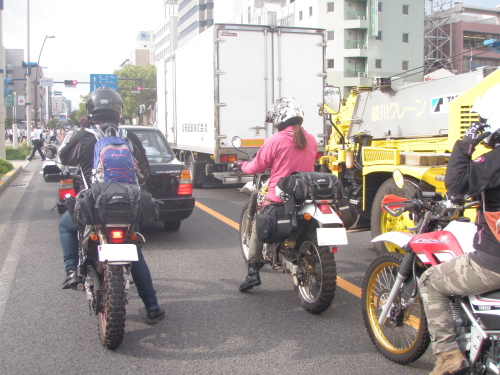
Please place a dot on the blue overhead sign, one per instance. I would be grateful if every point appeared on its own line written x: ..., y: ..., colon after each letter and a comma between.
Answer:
x: 103, y: 80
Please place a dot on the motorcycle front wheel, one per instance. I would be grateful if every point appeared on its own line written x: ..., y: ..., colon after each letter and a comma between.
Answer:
x: 316, y: 287
x: 404, y: 337
x: 111, y: 315
x: 245, y: 238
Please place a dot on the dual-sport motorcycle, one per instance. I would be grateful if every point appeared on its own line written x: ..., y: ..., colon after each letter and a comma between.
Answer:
x: 106, y: 251
x: 308, y: 239
x: 392, y: 310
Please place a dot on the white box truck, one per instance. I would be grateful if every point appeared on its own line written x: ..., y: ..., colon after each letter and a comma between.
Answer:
x: 222, y: 83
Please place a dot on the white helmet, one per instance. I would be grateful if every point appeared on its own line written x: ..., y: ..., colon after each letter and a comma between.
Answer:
x: 285, y: 109
x: 486, y: 107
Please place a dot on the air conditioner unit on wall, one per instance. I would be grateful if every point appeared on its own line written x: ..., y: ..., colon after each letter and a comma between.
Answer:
x: 361, y: 46
x: 361, y: 74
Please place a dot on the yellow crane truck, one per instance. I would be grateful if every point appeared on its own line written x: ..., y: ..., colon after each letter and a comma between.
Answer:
x: 410, y: 127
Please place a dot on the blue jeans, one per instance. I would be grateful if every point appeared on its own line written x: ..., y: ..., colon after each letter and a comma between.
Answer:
x: 68, y: 235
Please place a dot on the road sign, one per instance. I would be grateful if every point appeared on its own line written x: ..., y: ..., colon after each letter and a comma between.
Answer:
x: 21, y: 100
x: 56, y: 93
x: 46, y: 81
x: 8, y: 100
x: 103, y: 80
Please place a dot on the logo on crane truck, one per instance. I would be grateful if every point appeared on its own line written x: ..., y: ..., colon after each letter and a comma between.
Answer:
x: 440, y: 104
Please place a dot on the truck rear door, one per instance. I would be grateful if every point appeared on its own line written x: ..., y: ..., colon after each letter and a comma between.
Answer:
x: 243, y: 93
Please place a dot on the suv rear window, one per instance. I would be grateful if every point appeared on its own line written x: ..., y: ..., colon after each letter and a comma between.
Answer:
x: 157, y: 150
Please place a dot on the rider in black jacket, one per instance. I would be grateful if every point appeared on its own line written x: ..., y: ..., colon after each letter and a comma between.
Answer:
x: 471, y: 273
x: 104, y: 107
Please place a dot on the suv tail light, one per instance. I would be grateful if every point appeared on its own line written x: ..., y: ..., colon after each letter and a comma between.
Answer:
x: 185, y: 183
x: 66, y: 187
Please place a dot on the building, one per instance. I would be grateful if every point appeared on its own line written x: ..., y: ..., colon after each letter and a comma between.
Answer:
x: 194, y: 17
x: 365, y: 38
x: 466, y: 28
x: 14, y: 70
x: 165, y: 35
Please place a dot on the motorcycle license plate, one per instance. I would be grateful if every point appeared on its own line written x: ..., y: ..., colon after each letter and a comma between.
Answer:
x: 331, y: 236
x: 118, y: 252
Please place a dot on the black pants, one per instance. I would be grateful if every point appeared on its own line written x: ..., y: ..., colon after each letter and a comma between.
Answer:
x: 37, y: 146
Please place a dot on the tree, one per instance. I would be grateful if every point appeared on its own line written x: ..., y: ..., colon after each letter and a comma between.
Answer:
x: 129, y: 77
x: 8, y: 123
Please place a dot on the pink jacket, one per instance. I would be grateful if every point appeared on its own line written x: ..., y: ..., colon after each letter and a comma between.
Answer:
x: 279, y: 154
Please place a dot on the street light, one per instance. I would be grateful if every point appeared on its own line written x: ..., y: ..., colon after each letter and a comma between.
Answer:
x: 37, y: 78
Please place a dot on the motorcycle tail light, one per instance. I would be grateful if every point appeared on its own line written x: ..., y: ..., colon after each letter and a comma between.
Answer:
x: 325, y: 209
x: 66, y: 187
x: 116, y: 235
x: 185, y: 183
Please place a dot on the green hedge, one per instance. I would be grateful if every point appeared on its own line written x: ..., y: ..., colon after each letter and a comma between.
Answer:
x: 19, y: 154
x: 5, y: 166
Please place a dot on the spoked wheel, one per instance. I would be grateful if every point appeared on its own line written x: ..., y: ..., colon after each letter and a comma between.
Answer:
x: 112, y: 312
x: 404, y: 337
x: 245, y: 238
x: 318, y: 281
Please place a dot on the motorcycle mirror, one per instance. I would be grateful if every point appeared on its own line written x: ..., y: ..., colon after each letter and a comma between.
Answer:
x: 332, y: 97
x: 236, y: 141
x: 398, y: 178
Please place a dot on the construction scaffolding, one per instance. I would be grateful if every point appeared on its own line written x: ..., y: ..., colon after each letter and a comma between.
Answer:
x: 437, y: 44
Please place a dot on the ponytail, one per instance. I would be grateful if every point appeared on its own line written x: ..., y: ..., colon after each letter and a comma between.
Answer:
x: 299, y: 138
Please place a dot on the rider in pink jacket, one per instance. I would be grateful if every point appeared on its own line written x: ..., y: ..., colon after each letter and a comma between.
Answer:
x: 290, y: 150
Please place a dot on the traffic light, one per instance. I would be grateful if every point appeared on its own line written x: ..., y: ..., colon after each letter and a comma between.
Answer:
x: 135, y: 89
x: 70, y: 82
x: 6, y: 83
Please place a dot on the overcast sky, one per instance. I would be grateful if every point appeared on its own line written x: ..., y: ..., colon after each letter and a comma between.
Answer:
x: 91, y: 36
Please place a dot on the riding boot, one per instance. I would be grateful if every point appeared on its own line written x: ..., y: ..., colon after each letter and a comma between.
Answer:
x: 252, y: 279
x: 71, y: 280
x: 450, y: 362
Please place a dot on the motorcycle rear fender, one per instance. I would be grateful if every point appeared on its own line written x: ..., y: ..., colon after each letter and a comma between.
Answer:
x: 319, y: 216
x: 397, y: 238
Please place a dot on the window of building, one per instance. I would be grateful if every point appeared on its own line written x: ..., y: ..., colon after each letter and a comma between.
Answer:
x: 330, y: 35
x: 378, y: 64
x: 474, y: 39
x: 310, y: 11
x: 405, y: 65
x: 379, y: 6
x: 406, y: 9
x: 477, y: 62
x: 379, y: 36
x: 300, y: 16
x: 330, y: 7
x: 406, y: 37
x: 330, y: 64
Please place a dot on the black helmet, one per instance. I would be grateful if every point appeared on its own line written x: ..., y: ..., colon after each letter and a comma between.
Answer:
x: 104, y: 104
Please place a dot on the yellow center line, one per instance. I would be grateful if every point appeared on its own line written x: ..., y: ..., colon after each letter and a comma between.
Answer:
x: 344, y: 284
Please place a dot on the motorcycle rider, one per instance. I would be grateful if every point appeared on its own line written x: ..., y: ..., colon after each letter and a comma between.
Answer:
x: 104, y: 107
x: 471, y: 273
x: 289, y: 150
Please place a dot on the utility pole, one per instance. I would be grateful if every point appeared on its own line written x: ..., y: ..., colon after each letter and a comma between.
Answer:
x: 3, y: 153
x: 28, y: 82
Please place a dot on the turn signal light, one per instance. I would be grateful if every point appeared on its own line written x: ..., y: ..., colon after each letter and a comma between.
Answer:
x: 94, y: 237
x: 133, y: 237
x: 185, y: 183
x: 307, y: 216
x: 229, y: 158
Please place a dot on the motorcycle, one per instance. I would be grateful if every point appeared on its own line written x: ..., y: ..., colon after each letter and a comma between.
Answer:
x: 391, y: 306
x: 313, y: 231
x: 105, y: 254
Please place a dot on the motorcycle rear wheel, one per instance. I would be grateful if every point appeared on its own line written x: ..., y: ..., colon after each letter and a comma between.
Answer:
x: 317, y: 294
x: 111, y: 317
x: 402, y: 339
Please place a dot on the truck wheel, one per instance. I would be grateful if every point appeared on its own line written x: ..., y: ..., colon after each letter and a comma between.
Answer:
x: 382, y: 222
x: 196, y: 174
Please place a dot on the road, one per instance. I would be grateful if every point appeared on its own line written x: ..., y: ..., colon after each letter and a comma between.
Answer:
x: 210, y: 328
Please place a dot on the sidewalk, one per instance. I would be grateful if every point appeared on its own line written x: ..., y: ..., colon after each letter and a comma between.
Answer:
x: 8, y: 178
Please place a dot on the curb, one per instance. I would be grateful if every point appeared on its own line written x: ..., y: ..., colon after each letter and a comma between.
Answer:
x: 9, y: 177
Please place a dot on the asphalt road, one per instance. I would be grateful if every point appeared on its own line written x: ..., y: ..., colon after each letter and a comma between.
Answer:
x: 210, y: 328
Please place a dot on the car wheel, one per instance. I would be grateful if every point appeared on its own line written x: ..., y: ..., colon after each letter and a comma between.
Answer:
x: 172, y: 225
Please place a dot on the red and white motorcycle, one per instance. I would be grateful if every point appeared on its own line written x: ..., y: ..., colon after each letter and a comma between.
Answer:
x: 391, y: 306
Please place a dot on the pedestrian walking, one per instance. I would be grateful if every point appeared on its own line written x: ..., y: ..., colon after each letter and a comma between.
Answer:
x: 36, y: 136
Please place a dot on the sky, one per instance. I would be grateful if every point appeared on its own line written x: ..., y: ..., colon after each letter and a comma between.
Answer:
x: 91, y: 36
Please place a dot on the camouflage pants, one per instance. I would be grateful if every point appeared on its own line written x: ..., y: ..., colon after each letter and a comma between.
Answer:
x: 460, y: 276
